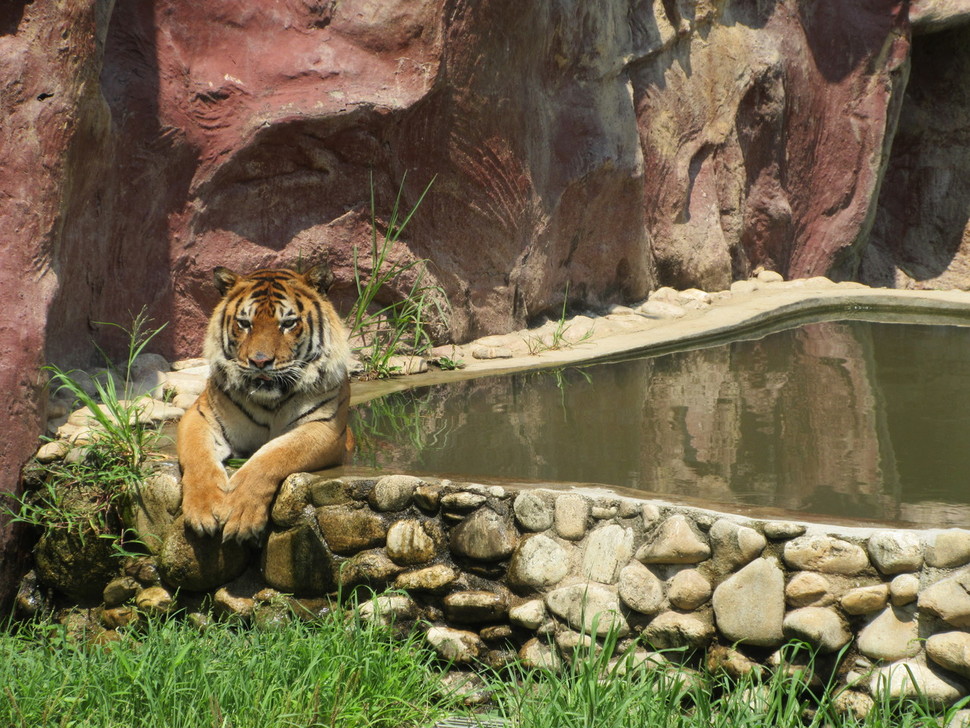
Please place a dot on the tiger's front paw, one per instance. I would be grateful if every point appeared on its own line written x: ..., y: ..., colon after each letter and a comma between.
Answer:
x: 245, y: 510
x: 202, y: 500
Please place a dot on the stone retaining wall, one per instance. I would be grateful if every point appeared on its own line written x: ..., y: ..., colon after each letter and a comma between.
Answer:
x: 499, y: 572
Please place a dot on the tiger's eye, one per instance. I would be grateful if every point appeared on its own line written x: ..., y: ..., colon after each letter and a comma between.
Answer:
x: 244, y: 324
x: 287, y: 324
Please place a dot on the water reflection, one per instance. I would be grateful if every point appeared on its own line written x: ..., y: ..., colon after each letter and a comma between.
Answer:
x: 849, y: 419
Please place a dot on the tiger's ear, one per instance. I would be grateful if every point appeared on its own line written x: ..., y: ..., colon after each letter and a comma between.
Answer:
x: 224, y: 279
x: 320, y: 277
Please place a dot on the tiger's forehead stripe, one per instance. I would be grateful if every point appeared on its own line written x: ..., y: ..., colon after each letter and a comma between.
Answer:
x: 265, y: 294
x: 274, y: 300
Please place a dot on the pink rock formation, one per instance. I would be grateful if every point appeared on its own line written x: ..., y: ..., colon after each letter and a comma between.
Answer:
x: 609, y: 145
x: 921, y: 235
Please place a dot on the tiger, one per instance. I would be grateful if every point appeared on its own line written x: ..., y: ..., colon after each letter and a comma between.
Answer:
x: 278, y: 392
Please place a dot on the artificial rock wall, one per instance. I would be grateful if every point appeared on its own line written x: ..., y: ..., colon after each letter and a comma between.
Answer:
x: 501, y: 574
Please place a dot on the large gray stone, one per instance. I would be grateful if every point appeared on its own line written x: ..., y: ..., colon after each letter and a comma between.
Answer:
x: 825, y: 554
x: 865, y: 599
x: 298, y: 561
x: 484, y: 536
x: 409, y: 543
x: 588, y: 607
x: 949, y: 549
x: 688, y: 590
x: 154, y: 600
x: 393, y: 492
x: 949, y: 599
x: 538, y: 561
x: 461, y: 503
x: 349, y: 530
x: 238, y: 598
x: 950, y: 650
x: 119, y: 590
x: 660, y: 310
x: 606, y: 550
x: 538, y: 654
x: 674, y: 542
x: 388, y: 609
x: 571, y: 515
x: 475, y: 607
x: 328, y: 491
x: 808, y: 589
x: 671, y: 630
x: 432, y: 579
x: 896, y: 552
x: 891, y: 635
x: 640, y: 589
x: 735, y: 545
x: 853, y: 704
x: 455, y: 645
x: 820, y: 627
x: 533, y: 512
x: 292, y: 502
x: 731, y: 662
x: 428, y: 498
x: 198, y: 563
x: 904, y: 589
x: 155, y: 504
x: 915, y: 679
x: 530, y: 614
x: 783, y: 530
x: 749, y: 606
x: 371, y: 567
x: 575, y: 645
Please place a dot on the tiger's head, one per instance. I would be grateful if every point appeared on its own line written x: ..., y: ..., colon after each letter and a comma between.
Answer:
x: 274, y: 334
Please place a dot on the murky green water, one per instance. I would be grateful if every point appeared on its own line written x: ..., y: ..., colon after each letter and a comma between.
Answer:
x: 848, y: 419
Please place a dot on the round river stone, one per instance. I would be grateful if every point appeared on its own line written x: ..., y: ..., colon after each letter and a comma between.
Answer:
x: 484, y: 536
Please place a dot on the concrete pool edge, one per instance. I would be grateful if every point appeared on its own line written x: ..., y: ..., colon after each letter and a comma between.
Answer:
x: 728, y: 315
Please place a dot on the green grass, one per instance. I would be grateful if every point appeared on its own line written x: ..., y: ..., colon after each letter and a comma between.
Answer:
x: 596, y: 689
x: 336, y: 671
x: 343, y: 672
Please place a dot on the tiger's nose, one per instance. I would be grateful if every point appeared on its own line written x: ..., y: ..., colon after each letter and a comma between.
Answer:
x: 260, y: 360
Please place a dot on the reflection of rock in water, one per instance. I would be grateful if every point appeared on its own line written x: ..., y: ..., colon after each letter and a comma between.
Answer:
x: 789, y: 421
x: 833, y: 418
x: 538, y: 425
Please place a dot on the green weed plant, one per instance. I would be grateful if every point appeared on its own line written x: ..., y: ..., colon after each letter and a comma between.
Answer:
x: 399, y: 327
x: 557, y: 337
x: 83, y: 497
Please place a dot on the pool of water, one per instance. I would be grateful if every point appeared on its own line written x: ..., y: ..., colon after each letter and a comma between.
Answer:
x: 848, y: 419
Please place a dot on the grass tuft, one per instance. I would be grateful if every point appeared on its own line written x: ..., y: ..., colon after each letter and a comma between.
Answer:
x: 608, y: 687
x: 399, y: 327
x: 557, y: 338
x: 82, y: 497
